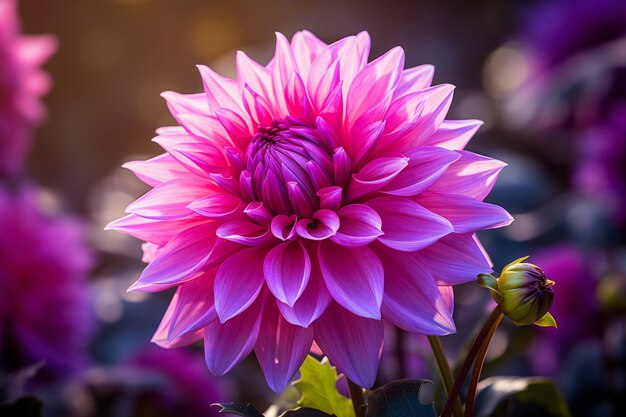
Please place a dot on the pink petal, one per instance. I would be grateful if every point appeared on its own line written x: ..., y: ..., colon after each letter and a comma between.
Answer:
x: 287, y: 268
x: 305, y: 46
x: 282, y: 226
x: 426, y: 165
x: 354, y: 277
x: 220, y: 91
x: 323, y: 225
x: 238, y: 129
x: 407, y: 225
x: 194, y: 308
x: 157, y: 170
x: 414, y: 79
x: 227, y: 344
x: 168, y: 200
x: 352, y: 343
x: 472, y: 175
x: 330, y: 198
x: 155, y: 231
x: 466, y: 214
x: 284, y: 65
x: 360, y: 225
x: 181, y: 259
x: 245, y: 233
x: 454, y: 134
x: 216, y: 205
x: 257, y: 106
x: 412, y: 299
x: 455, y: 259
x: 257, y: 212
x: 161, y: 338
x: 313, y: 300
x: 238, y: 282
x: 341, y: 167
x: 281, y: 348
x: 374, y: 175
x: 374, y: 82
x: 256, y: 76
x: 185, y: 103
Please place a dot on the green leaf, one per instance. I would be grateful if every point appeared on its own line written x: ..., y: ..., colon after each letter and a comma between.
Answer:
x: 546, y: 321
x: 305, y: 412
x: 244, y: 410
x: 318, y: 386
x: 510, y: 396
x: 399, y: 399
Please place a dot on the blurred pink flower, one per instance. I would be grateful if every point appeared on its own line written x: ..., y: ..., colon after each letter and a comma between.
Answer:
x: 44, y: 294
x: 575, y: 306
x: 307, y: 200
x: 22, y: 83
x: 189, y: 390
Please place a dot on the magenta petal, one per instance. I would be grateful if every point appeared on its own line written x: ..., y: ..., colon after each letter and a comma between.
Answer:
x: 407, y: 225
x: 360, y: 225
x: 455, y: 259
x: 238, y: 282
x: 354, y: 277
x: 194, y: 308
x: 412, y: 299
x: 181, y: 259
x: 220, y: 91
x: 245, y: 233
x: 426, y: 165
x: 330, y: 198
x: 179, y: 103
x: 374, y: 175
x: 472, y: 175
x: 168, y: 200
x: 161, y: 335
x: 282, y: 226
x: 324, y: 224
x: 454, y: 134
x: 281, y: 348
x: 227, y: 344
x: 352, y: 343
x: 466, y: 214
x: 216, y: 205
x: 341, y: 167
x: 313, y: 301
x: 287, y: 269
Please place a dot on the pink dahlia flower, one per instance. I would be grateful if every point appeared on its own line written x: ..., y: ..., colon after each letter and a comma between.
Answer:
x: 307, y: 200
x: 22, y: 83
x: 44, y: 293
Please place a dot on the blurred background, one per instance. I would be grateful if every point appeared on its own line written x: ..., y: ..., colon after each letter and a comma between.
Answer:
x: 547, y: 77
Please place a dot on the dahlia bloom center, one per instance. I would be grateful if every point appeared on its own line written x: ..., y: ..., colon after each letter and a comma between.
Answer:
x: 287, y: 165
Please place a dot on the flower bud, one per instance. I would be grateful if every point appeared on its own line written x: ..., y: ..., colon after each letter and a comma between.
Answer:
x: 523, y: 293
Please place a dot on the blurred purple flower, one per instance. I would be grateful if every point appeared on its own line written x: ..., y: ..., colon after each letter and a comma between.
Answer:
x: 44, y: 299
x: 600, y: 171
x: 575, y: 306
x: 309, y: 199
x: 189, y: 389
x: 22, y: 83
x: 575, y: 66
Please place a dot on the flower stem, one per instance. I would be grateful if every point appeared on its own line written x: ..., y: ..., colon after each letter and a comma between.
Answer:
x: 494, y: 317
x: 356, y: 394
x: 477, y: 369
x: 444, y: 371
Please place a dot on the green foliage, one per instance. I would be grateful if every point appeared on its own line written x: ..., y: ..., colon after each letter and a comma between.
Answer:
x: 318, y: 386
x: 511, y: 397
x: 399, y: 399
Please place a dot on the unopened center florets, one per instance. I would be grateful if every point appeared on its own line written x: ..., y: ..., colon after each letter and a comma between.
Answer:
x: 287, y: 163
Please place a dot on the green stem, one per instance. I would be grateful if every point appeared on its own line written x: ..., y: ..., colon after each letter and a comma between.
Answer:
x: 356, y: 394
x: 444, y: 371
x: 477, y: 369
x: 469, y: 360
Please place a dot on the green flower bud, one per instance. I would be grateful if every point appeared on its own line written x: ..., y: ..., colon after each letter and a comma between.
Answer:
x: 523, y: 293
